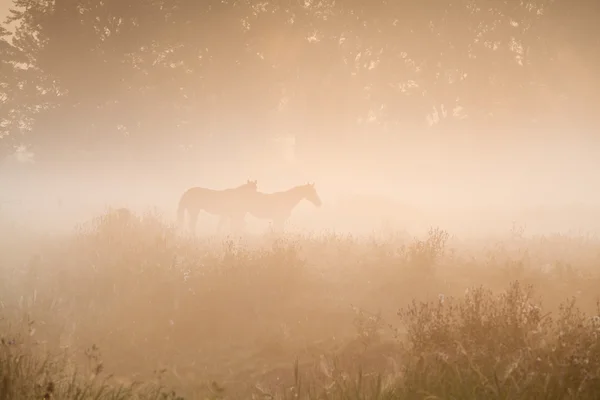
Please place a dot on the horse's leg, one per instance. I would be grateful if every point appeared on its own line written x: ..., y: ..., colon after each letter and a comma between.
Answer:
x: 278, y: 225
x: 193, y: 220
x: 238, y: 224
x: 222, y: 222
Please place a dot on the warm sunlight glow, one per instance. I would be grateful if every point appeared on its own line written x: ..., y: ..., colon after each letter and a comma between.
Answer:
x: 315, y: 199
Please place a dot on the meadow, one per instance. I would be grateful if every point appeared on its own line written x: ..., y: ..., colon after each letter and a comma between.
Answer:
x: 127, y: 308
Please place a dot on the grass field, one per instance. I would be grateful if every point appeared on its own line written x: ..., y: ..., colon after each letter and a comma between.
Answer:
x: 125, y: 308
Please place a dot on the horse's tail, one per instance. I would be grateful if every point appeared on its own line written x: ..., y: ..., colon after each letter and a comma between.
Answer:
x: 181, y: 210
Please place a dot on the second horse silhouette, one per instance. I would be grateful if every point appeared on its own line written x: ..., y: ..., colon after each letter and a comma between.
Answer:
x: 278, y: 206
x: 235, y: 203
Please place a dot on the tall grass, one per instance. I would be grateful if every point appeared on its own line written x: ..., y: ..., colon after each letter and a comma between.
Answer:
x: 126, y: 299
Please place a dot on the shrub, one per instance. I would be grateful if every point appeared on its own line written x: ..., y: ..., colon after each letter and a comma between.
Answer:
x: 499, y: 346
x: 238, y: 311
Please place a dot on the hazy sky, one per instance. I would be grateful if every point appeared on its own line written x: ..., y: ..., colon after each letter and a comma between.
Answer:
x: 440, y: 174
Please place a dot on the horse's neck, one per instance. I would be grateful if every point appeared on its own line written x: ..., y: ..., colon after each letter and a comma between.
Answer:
x: 294, y: 196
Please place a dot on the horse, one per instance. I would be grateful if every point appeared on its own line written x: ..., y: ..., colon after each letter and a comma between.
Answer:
x: 278, y: 206
x: 224, y: 203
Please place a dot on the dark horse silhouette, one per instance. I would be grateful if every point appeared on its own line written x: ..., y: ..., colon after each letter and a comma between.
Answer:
x: 230, y: 203
x: 278, y: 206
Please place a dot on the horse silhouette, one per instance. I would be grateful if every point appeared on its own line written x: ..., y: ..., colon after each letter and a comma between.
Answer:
x: 278, y: 206
x: 229, y: 203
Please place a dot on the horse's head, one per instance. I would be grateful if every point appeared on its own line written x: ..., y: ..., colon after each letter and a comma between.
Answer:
x: 249, y: 186
x: 310, y: 194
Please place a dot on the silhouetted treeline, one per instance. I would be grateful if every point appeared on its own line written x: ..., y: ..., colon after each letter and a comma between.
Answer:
x: 136, y: 75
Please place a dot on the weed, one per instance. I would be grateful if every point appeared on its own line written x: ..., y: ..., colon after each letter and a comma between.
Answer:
x: 89, y: 314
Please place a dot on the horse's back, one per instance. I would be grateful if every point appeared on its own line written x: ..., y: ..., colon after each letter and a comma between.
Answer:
x: 264, y: 205
x: 215, y: 201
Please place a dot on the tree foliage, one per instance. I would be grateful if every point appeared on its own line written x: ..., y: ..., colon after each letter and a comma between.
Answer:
x: 147, y: 74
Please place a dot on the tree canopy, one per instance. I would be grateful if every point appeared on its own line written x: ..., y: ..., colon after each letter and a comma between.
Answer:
x: 115, y: 75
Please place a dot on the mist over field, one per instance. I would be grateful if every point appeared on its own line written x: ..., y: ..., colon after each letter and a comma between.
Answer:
x: 547, y: 185
x: 394, y: 199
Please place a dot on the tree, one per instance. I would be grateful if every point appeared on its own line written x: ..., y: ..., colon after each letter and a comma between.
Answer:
x: 11, y: 113
x: 149, y: 75
x: 567, y: 57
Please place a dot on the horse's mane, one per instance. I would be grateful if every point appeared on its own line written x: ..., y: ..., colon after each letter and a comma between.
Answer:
x: 293, y: 189
x: 241, y: 186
